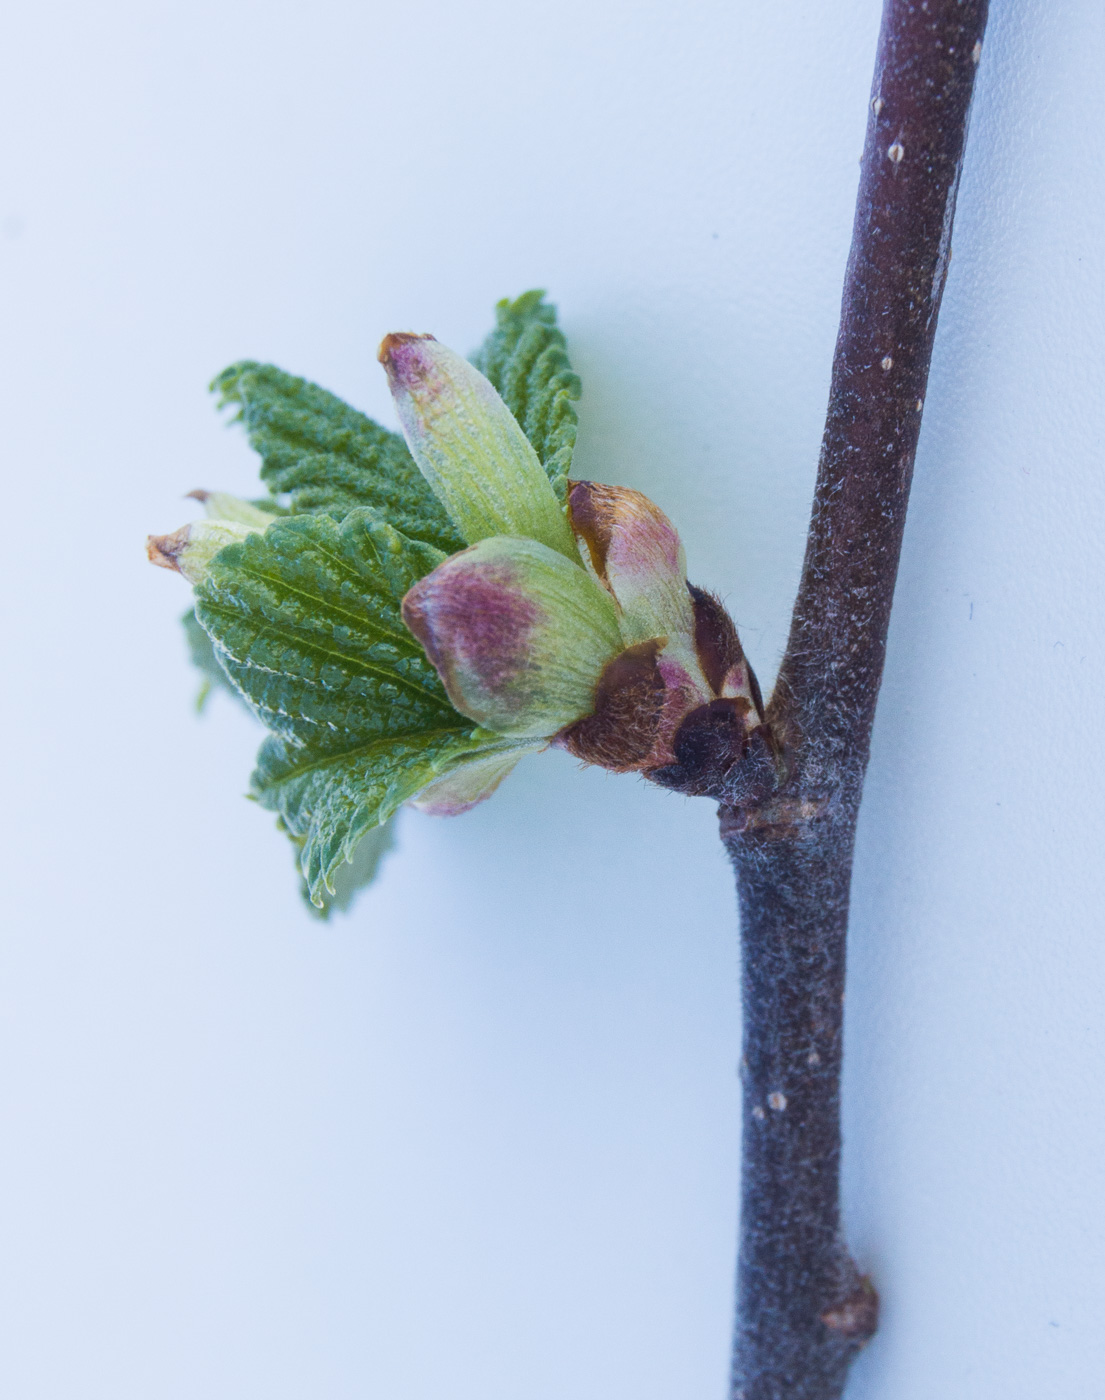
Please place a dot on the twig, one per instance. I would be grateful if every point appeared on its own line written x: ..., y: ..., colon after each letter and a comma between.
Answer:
x: 803, y: 1310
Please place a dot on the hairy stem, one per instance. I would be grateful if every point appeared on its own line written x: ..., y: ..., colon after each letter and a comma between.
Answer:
x: 802, y: 1309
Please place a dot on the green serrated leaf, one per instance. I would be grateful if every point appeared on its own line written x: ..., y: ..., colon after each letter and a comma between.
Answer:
x: 352, y: 876
x: 305, y: 621
x: 328, y: 458
x: 329, y: 802
x: 526, y: 359
x: 203, y: 658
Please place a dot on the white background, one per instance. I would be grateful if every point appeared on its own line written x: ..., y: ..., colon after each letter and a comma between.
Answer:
x: 479, y: 1139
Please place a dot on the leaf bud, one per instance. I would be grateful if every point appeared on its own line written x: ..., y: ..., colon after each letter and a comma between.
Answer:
x: 519, y: 635
x: 221, y: 505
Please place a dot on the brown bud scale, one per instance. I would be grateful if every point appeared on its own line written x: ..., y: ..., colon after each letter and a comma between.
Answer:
x: 629, y: 700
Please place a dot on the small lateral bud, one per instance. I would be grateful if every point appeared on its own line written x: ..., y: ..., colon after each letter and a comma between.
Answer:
x: 857, y: 1317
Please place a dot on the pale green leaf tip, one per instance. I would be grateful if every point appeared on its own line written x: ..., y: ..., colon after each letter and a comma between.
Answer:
x: 471, y: 782
x: 191, y: 550
x: 221, y: 505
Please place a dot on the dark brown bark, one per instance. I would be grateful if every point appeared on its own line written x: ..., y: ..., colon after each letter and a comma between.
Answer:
x: 803, y: 1310
x: 789, y: 806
